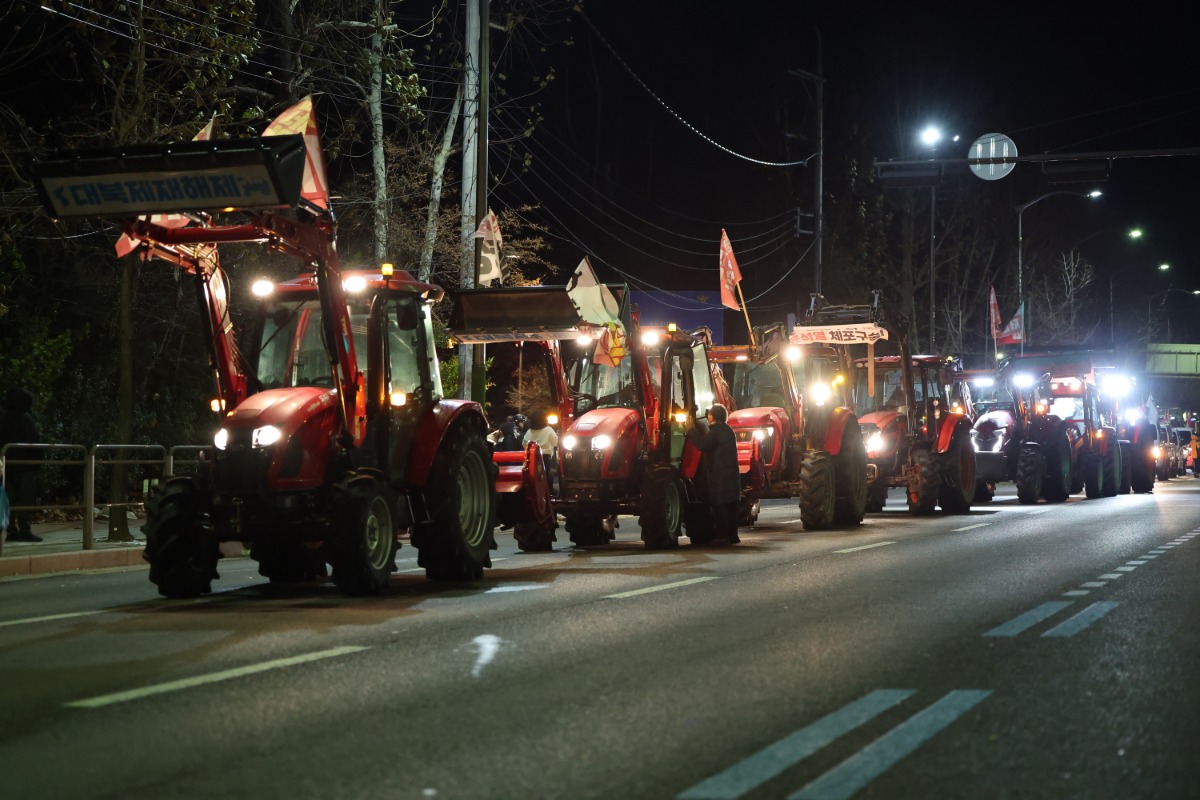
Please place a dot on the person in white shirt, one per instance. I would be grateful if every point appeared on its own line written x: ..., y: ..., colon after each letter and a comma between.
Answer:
x: 546, y: 438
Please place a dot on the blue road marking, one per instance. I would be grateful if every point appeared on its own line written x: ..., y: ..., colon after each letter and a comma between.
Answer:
x: 792, y: 749
x: 844, y: 780
x: 1029, y: 619
x: 1081, y: 620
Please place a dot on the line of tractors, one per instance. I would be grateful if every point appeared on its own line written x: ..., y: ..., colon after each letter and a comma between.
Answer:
x: 335, y: 441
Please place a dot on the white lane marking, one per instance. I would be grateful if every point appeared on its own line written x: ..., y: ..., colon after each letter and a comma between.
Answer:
x: 863, y: 547
x: 752, y: 772
x: 791, y: 521
x: 1029, y: 618
x: 515, y: 587
x: 1158, y: 552
x: 1109, y: 576
x: 972, y: 527
x: 1078, y: 622
x: 846, y: 779
x: 1125, y: 569
x: 1094, y: 584
x: 215, y: 677
x: 661, y: 588
x: 1076, y: 593
x: 1148, y: 556
x: 486, y: 646
x: 1135, y: 563
x: 48, y: 618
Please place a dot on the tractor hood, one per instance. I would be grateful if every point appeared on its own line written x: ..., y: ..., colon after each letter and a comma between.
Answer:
x: 610, y: 422
x: 285, y: 408
x: 880, y: 419
x: 754, y: 417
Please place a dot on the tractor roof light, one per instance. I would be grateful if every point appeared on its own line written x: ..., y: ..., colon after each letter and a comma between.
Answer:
x: 984, y: 381
x: 793, y: 353
x: 386, y: 269
x: 262, y: 288
x: 650, y: 338
x: 354, y: 284
x: 1116, y: 386
x: 583, y: 339
x: 1022, y: 380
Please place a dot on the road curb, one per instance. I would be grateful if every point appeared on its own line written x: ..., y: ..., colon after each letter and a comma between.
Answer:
x: 13, y: 566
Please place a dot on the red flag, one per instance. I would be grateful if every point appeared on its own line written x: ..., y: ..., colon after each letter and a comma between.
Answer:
x: 1014, y: 331
x: 731, y: 276
x: 301, y: 118
x: 126, y: 245
x: 994, y: 315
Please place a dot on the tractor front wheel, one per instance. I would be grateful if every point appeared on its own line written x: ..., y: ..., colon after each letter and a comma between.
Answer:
x: 183, y: 557
x: 364, y: 547
x: 818, y: 484
x: 661, y: 519
x: 958, y: 474
x: 461, y: 496
x: 922, y: 499
x: 1031, y: 469
x: 850, y: 469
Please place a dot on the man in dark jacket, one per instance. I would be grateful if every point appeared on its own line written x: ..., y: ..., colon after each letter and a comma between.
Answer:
x: 17, y: 425
x: 719, y: 449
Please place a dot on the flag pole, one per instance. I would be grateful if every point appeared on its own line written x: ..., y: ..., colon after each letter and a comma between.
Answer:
x: 742, y: 301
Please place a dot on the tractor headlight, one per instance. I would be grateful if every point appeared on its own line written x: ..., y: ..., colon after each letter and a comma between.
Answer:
x: 875, y: 442
x: 568, y: 443
x: 601, y: 442
x: 266, y: 436
x: 1156, y: 450
x: 820, y: 392
x: 762, y: 433
x: 221, y: 440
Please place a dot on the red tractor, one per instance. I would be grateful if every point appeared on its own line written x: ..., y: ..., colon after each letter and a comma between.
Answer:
x: 334, y: 438
x: 794, y: 438
x: 915, y: 417
x: 629, y: 401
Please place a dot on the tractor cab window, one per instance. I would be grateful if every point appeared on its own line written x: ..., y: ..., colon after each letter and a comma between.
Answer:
x: 292, y: 351
x: 595, y: 385
x: 702, y: 381
x: 757, y: 385
x: 889, y: 390
x: 994, y: 397
x: 405, y: 345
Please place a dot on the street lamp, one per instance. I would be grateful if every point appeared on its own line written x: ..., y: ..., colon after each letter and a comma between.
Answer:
x: 1133, y: 234
x: 1021, y: 247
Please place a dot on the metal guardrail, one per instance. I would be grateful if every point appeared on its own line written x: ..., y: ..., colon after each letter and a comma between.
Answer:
x: 89, y: 458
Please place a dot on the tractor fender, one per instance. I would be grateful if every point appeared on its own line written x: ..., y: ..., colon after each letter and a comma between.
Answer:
x: 950, y: 424
x: 431, y: 430
x: 839, y: 418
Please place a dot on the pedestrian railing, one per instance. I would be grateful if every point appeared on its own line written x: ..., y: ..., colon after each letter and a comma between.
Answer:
x: 169, y: 462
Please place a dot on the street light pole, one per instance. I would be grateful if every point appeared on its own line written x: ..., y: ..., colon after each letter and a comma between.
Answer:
x: 1021, y: 250
x: 932, y: 239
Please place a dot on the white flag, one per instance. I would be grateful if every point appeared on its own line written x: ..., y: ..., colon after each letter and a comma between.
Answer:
x: 489, y: 251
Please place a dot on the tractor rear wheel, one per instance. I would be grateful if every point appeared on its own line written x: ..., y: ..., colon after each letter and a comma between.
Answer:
x: 850, y: 482
x: 818, y: 483
x: 461, y: 495
x: 1125, y: 484
x: 958, y: 474
x: 364, y: 548
x: 1112, y: 468
x: 663, y: 501
x: 535, y: 537
x: 183, y: 558
x: 923, y: 500
x: 1056, y: 485
x: 1141, y: 467
x: 1031, y: 467
x: 1092, y: 466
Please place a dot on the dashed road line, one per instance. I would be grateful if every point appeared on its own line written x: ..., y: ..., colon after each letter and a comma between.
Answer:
x: 660, y: 588
x: 49, y: 618
x: 1125, y: 569
x: 1078, y: 622
x: 863, y: 547
x: 215, y: 677
x: 972, y: 527
x: 1094, y: 584
x: 1076, y: 593
x: 774, y: 759
x: 1030, y: 618
x: 1110, y: 576
x: 844, y: 780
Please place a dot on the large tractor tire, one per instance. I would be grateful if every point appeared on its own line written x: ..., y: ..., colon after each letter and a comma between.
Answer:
x: 1112, y: 467
x: 818, y: 484
x: 587, y: 527
x: 958, y: 474
x: 1141, y: 467
x: 363, y: 552
x: 1092, y: 468
x: 1125, y: 485
x: 877, y: 494
x: 1056, y: 483
x: 1031, y: 469
x: 456, y: 544
x: 923, y: 500
x: 850, y: 477
x: 535, y: 537
x: 663, y: 502
x: 183, y: 557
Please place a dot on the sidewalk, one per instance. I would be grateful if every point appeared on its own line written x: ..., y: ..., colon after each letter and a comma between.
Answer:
x: 61, y: 550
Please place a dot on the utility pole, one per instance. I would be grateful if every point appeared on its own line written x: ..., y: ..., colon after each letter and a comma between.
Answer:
x: 818, y: 82
x: 472, y: 382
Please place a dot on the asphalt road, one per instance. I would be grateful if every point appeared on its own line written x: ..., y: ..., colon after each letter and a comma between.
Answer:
x: 1015, y: 652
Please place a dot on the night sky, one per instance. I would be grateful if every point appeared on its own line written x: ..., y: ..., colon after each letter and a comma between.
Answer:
x: 1063, y: 79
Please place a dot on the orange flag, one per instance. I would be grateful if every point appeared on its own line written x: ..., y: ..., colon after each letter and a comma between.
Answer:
x: 731, y: 276
x: 126, y: 245
x: 301, y: 118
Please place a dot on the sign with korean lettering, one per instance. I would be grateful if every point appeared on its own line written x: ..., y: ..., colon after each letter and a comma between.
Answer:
x: 867, y: 333
x: 130, y: 194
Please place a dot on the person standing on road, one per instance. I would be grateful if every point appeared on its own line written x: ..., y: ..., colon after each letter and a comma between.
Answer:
x: 541, y: 432
x: 718, y: 447
x: 18, y: 426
